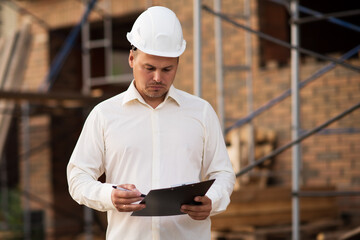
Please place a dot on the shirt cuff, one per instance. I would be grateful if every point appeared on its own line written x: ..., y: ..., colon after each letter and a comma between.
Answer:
x: 218, y: 204
x: 106, y: 196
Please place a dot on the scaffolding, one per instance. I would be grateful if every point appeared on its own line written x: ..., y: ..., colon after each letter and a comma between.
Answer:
x: 297, y: 136
x: 294, y: 7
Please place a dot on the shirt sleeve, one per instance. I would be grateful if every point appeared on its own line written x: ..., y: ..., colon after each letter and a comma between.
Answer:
x: 216, y: 163
x: 86, y: 166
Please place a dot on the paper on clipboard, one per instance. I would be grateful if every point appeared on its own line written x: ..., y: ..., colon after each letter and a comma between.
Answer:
x: 167, y: 201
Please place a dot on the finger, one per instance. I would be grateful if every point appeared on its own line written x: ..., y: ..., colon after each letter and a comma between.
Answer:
x: 129, y: 207
x: 203, y: 199
x: 198, y: 212
x: 119, y: 201
x: 128, y: 186
x: 127, y: 194
x: 131, y: 188
x: 120, y: 198
x: 204, y: 207
x: 197, y: 215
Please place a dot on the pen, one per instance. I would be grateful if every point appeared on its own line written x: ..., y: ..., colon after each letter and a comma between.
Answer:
x: 127, y: 190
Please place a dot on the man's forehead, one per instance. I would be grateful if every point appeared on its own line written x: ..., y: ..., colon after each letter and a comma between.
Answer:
x: 159, y: 65
x: 157, y: 61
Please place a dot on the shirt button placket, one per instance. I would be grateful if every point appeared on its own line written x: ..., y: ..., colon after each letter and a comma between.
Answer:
x: 155, y: 168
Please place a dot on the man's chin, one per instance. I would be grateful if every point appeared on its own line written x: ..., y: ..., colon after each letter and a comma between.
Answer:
x: 156, y: 92
x: 155, y: 95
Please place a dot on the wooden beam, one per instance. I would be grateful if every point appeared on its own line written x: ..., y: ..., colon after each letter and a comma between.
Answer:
x: 269, y: 207
x: 351, y: 235
x: 47, y: 98
x: 5, y: 55
x: 12, y: 71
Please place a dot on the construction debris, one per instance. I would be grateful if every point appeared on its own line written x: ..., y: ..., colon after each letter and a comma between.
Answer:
x: 238, y: 149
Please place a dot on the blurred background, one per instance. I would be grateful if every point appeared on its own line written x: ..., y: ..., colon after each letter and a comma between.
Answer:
x: 283, y: 76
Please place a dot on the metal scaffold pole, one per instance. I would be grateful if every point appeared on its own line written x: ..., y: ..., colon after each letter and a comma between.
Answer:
x: 26, y: 169
x: 86, y: 89
x: 249, y: 81
x: 4, y: 191
x: 108, y: 38
x: 295, y: 111
x: 219, y: 66
x: 197, y: 48
x: 86, y: 64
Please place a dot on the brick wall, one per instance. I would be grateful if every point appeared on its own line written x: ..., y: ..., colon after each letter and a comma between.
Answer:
x: 327, y: 157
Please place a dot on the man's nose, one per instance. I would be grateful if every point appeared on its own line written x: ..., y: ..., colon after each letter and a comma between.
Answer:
x: 157, y: 76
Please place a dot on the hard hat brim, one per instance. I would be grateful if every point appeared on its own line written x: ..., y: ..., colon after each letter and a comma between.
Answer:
x: 156, y: 53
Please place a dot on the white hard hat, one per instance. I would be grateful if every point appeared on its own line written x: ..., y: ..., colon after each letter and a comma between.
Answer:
x: 157, y: 31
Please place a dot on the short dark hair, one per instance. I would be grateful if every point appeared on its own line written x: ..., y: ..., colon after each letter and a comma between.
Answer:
x: 133, y: 50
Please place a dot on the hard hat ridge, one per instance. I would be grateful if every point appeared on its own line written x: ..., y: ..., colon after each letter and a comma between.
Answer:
x: 157, y: 31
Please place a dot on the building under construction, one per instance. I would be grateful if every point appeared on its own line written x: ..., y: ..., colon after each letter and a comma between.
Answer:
x: 283, y: 76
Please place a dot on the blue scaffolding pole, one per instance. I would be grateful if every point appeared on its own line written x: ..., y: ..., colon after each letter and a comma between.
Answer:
x: 60, y: 58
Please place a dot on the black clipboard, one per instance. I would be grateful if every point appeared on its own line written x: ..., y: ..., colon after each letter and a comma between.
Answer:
x: 167, y: 201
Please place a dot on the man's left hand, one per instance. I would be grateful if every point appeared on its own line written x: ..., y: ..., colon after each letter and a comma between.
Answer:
x: 198, y: 212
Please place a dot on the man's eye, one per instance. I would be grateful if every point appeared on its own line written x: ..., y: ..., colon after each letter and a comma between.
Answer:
x: 149, y: 68
x: 167, y: 70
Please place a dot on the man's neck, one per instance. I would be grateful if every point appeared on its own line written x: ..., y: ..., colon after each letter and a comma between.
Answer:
x: 152, y: 101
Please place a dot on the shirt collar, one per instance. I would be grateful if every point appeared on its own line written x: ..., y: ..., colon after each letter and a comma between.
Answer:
x: 173, y: 93
x: 132, y: 94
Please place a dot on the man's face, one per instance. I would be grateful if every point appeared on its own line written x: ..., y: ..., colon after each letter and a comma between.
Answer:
x: 153, y: 75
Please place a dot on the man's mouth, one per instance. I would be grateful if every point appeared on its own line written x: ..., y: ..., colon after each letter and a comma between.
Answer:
x: 157, y: 86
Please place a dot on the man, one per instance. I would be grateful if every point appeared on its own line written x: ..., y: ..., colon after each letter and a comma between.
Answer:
x: 152, y: 136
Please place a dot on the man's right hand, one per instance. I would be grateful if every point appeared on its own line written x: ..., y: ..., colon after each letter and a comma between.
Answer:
x: 124, y: 201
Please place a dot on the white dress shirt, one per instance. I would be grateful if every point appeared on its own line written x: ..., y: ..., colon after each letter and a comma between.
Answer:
x: 179, y: 141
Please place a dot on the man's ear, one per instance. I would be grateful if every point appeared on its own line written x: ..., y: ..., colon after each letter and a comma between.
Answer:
x: 131, y: 59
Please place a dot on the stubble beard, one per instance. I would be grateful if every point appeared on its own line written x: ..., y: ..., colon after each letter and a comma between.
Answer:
x: 160, y: 93
x: 155, y: 94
